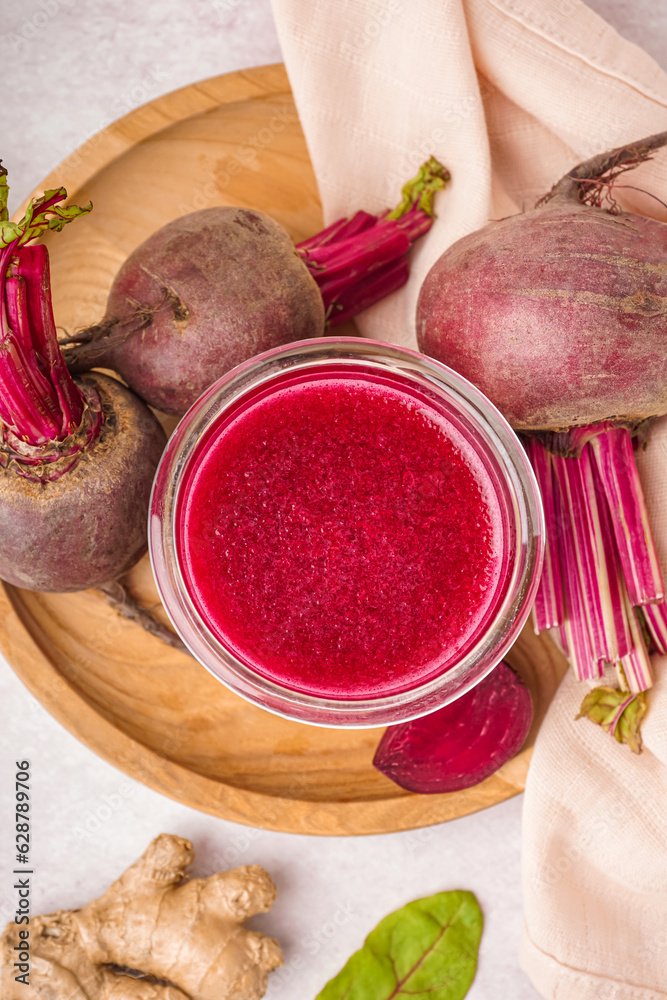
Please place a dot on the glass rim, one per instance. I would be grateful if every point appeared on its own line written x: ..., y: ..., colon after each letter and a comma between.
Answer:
x: 497, y: 438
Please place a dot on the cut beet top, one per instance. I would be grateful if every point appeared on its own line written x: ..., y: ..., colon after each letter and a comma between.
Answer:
x: 340, y: 537
x: 463, y: 743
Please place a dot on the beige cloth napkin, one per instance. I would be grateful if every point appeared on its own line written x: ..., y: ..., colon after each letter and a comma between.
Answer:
x: 509, y: 94
x: 595, y: 833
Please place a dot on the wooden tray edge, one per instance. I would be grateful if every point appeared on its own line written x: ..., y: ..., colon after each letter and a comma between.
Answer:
x: 164, y: 775
x: 105, y: 146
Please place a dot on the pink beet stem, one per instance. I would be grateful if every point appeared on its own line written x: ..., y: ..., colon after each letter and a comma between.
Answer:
x: 370, y: 290
x: 325, y: 236
x: 614, y: 589
x: 576, y: 625
x: 597, y: 506
x: 18, y: 411
x: 415, y: 223
x: 564, y: 633
x: 578, y: 531
x: 333, y: 288
x: 341, y: 229
x: 34, y: 371
x: 369, y: 249
x: 548, y: 610
x: 29, y: 405
x: 350, y: 251
x: 636, y: 664
x: 655, y: 616
x: 34, y: 266
x: 607, y: 569
x: 615, y: 462
x: 40, y: 402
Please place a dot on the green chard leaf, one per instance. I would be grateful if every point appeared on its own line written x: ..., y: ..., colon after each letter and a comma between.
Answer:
x: 427, y: 949
x: 619, y: 713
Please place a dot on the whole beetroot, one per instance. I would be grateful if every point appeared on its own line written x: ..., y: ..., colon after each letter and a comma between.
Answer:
x: 77, y: 460
x: 559, y: 315
x: 214, y: 288
x: 206, y: 292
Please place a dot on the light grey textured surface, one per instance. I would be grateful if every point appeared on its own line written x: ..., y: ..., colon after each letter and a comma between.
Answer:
x: 73, y: 66
x: 68, y: 70
x: 640, y: 21
x: 90, y: 821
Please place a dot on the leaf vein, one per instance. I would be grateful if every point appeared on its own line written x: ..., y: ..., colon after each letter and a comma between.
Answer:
x: 400, y: 983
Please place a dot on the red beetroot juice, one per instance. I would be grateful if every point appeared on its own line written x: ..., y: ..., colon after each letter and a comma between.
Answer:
x: 340, y: 537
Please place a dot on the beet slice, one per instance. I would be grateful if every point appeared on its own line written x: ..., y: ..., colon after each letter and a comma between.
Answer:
x: 463, y: 743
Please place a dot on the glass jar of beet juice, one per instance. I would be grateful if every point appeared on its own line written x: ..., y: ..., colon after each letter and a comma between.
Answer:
x: 346, y: 533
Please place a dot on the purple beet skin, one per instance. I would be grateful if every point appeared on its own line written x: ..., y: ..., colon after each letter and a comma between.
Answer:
x: 558, y: 314
x: 463, y: 743
x: 88, y: 526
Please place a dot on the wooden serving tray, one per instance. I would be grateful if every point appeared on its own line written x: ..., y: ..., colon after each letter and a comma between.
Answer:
x: 150, y: 710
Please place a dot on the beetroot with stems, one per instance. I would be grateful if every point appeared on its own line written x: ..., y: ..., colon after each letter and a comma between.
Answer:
x: 77, y: 459
x: 559, y: 316
x: 213, y: 288
x: 463, y: 743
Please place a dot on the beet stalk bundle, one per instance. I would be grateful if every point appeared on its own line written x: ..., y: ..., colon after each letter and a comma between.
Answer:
x: 558, y: 315
x: 215, y: 287
x: 358, y: 261
x: 77, y: 457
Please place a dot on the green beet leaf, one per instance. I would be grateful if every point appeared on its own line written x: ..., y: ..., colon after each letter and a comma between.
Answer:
x: 619, y: 713
x: 427, y: 949
x: 41, y: 215
x: 4, y: 193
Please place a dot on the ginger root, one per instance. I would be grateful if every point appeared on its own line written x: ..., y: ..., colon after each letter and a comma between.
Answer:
x: 153, y: 935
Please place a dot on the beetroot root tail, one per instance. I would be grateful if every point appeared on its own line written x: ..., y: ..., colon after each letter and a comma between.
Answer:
x: 585, y: 182
x: 122, y: 601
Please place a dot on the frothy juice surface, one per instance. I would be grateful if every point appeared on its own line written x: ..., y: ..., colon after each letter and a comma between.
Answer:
x: 340, y: 538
